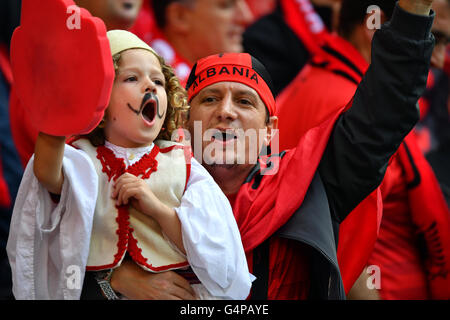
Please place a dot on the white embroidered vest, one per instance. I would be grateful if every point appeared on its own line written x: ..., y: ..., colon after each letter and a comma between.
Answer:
x: 117, y: 230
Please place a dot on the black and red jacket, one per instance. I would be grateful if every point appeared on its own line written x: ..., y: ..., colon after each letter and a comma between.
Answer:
x: 354, y: 160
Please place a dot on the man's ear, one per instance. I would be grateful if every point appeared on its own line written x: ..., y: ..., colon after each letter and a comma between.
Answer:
x: 272, y: 129
x: 177, y: 17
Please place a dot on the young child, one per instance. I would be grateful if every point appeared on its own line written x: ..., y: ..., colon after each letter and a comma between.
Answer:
x: 124, y: 188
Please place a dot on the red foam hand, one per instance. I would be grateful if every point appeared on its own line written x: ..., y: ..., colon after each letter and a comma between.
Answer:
x: 62, y: 66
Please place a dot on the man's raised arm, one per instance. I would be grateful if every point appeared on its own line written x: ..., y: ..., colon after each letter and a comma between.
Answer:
x: 384, y: 108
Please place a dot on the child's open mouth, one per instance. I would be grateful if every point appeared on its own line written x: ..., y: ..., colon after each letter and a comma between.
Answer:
x: 149, y: 111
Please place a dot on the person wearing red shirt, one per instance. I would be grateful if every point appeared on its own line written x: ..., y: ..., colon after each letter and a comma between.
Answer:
x: 412, y: 200
x: 190, y: 30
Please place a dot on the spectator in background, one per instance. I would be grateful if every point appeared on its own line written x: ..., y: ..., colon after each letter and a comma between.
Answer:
x: 145, y: 24
x: 434, y: 128
x: 10, y: 166
x: 260, y: 8
x: 285, y: 39
x: 192, y: 29
x: 414, y: 207
x: 116, y: 14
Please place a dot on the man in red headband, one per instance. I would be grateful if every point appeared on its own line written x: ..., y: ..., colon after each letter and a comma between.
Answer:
x: 289, y: 205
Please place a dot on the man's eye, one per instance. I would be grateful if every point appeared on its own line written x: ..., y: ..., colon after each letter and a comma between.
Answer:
x: 209, y: 99
x: 245, y: 102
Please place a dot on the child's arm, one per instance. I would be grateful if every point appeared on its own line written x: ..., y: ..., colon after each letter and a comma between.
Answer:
x: 48, y: 157
x: 131, y: 188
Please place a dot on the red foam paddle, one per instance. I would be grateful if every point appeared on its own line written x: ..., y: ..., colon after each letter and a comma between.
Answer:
x: 62, y: 66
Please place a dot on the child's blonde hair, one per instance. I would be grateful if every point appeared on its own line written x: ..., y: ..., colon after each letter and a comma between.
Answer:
x: 177, y: 104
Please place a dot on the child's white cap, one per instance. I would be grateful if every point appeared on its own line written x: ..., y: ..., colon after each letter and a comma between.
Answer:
x: 121, y: 40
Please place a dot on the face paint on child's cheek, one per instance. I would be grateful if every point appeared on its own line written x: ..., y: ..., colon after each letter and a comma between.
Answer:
x: 157, y: 110
x: 146, y: 97
x: 134, y: 110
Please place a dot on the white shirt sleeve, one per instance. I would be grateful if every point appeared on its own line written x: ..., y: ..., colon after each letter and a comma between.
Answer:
x: 48, y: 243
x: 211, y: 237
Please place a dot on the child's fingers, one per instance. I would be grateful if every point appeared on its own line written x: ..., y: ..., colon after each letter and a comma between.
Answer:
x: 127, y: 194
x: 121, y: 181
x: 126, y: 191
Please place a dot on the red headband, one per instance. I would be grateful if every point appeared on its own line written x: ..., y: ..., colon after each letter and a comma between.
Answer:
x: 235, y: 67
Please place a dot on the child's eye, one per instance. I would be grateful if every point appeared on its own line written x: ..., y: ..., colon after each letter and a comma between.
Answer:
x: 158, y: 82
x: 130, y: 79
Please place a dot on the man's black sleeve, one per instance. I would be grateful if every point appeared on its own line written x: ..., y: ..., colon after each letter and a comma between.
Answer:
x: 384, y: 110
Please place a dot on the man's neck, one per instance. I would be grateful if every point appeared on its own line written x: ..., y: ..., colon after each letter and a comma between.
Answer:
x: 229, y: 178
x: 358, y: 41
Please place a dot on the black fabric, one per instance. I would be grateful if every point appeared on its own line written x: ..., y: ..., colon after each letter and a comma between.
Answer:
x: 356, y: 158
x: 91, y: 290
x: 262, y: 71
x: 9, y: 19
x: 260, y: 287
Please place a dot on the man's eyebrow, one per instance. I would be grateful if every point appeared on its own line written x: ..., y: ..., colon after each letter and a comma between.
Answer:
x: 247, y: 92
x: 235, y: 92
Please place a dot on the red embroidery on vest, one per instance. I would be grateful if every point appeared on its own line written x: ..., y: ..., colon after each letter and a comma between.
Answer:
x: 114, y: 168
x: 136, y: 255
x: 146, y: 166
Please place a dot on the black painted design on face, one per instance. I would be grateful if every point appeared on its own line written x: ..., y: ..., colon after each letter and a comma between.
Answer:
x: 148, y: 108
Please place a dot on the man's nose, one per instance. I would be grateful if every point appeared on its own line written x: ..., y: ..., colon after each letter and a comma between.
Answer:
x: 226, y: 110
x: 243, y: 14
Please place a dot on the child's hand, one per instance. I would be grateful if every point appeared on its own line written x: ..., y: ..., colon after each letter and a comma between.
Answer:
x: 129, y: 188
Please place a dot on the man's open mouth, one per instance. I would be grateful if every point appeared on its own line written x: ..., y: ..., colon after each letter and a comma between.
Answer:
x: 224, y: 136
